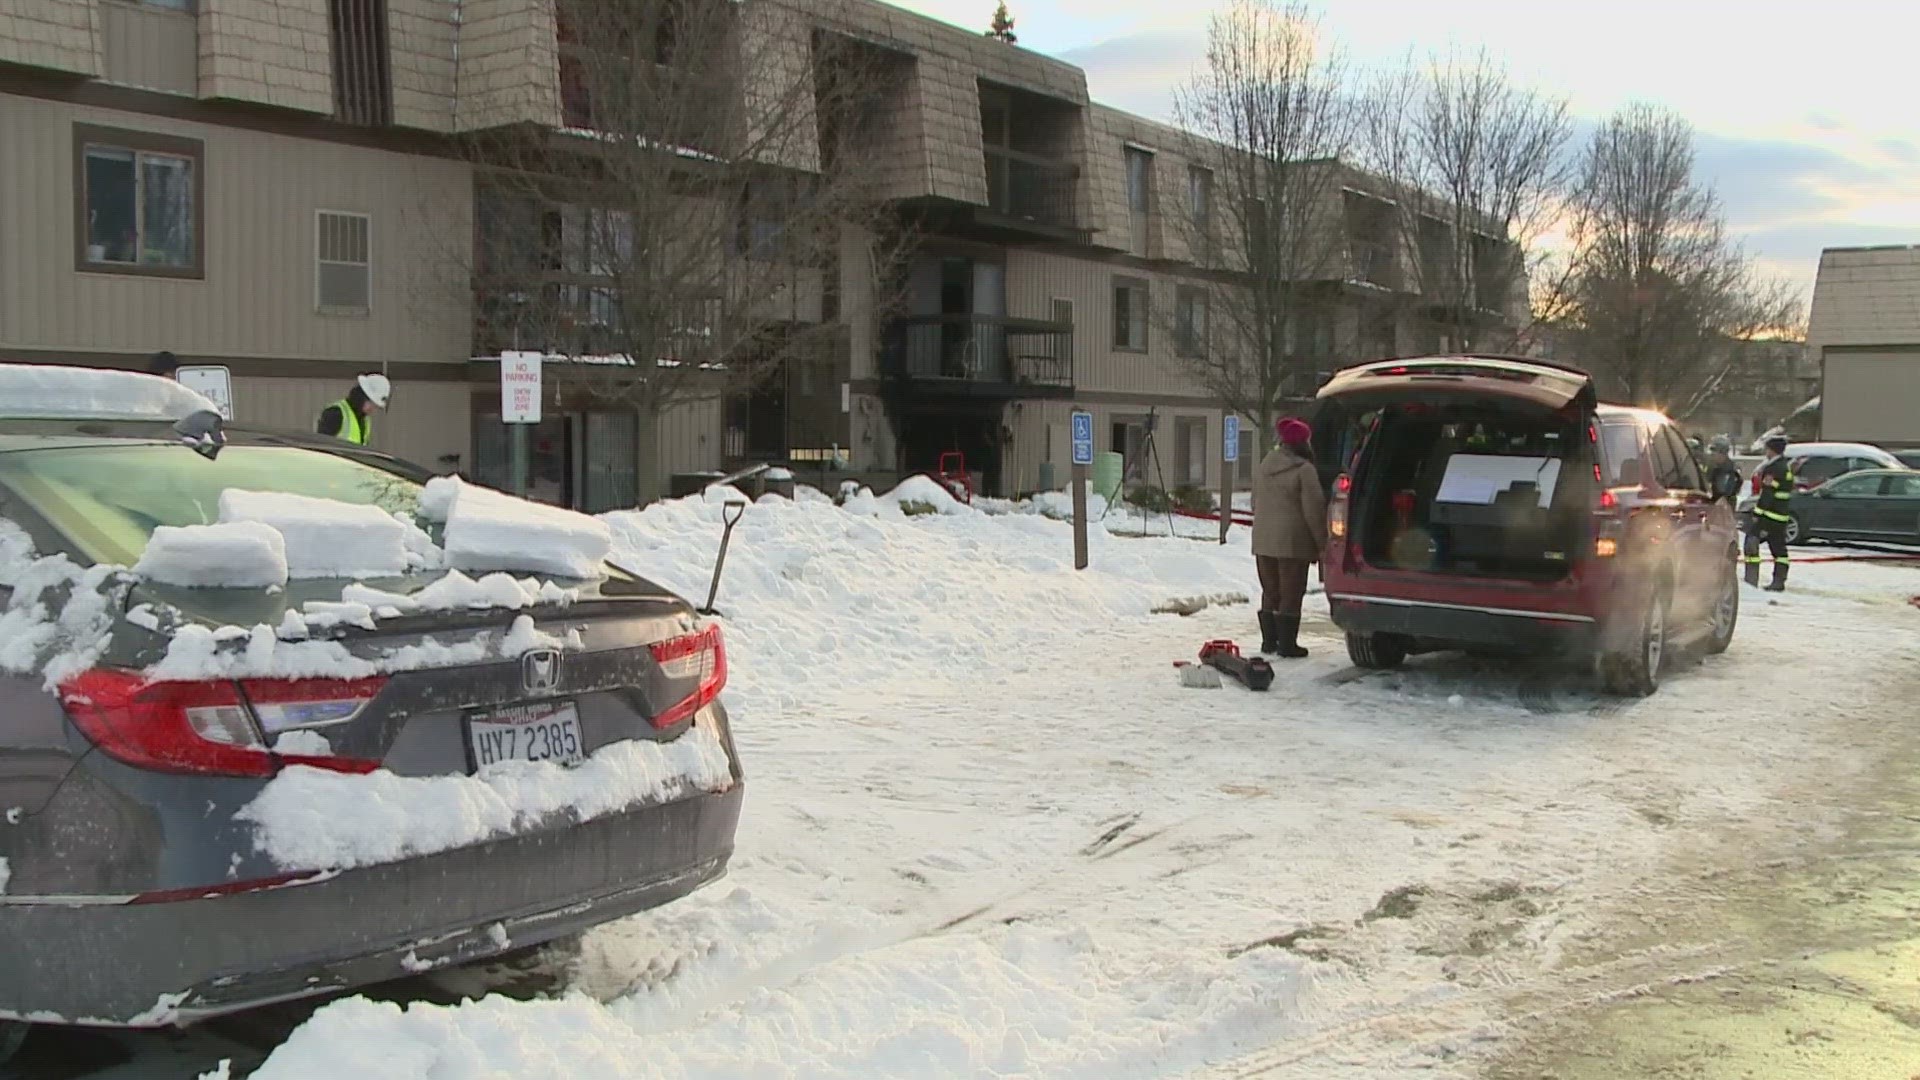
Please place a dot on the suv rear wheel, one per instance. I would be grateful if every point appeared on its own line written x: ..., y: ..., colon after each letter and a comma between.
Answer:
x: 1635, y: 671
x: 1794, y: 531
x: 1375, y: 652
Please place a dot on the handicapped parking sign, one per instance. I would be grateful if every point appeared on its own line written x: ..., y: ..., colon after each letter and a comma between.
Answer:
x: 1232, y: 431
x: 1082, y: 438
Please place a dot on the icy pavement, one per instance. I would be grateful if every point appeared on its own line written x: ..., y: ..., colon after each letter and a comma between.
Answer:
x: 988, y: 834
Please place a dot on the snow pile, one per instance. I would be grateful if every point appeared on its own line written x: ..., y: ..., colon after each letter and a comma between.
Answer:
x: 456, y: 591
x: 51, y: 390
x: 489, y: 530
x: 926, y: 491
x: 325, y: 538
x: 234, y: 555
x: 258, y: 652
x: 316, y: 819
x: 35, y: 640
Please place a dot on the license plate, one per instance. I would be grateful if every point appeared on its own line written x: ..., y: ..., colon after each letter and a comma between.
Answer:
x: 549, y: 732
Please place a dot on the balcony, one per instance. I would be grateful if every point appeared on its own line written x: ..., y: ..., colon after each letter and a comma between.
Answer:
x: 1370, y: 262
x: 1030, y: 193
x: 981, y: 355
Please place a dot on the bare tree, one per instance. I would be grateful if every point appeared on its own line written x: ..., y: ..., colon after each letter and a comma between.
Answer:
x: 1480, y: 165
x: 683, y: 232
x: 1655, y: 292
x: 1269, y: 117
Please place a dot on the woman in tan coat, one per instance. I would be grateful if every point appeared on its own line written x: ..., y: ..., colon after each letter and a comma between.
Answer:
x: 1289, y: 531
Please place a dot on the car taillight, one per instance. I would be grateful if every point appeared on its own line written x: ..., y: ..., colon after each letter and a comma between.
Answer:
x: 1337, y: 509
x: 1608, y: 501
x: 283, y: 705
x: 201, y: 728
x: 1343, y: 485
x: 698, y: 659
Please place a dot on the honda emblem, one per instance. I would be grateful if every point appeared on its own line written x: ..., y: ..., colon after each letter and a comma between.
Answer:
x: 540, y: 671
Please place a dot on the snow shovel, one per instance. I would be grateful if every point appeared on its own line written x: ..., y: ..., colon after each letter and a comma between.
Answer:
x: 730, y: 514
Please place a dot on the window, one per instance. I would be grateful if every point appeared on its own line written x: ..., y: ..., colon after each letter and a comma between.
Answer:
x: 1818, y: 470
x: 1248, y: 448
x: 1622, y: 445
x: 1904, y: 487
x: 1063, y: 311
x: 1130, y: 442
x: 1856, y: 487
x: 1200, y: 207
x: 1130, y: 297
x: 1313, y: 333
x: 1665, y: 465
x: 1190, y: 441
x: 1139, y: 179
x: 138, y: 203
x: 344, y: 250
x: 1190, y: 321
x: 1686, y: 474
x: 167, y: 5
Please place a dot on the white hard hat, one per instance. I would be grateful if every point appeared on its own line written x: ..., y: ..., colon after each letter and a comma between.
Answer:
x: 376, y: 387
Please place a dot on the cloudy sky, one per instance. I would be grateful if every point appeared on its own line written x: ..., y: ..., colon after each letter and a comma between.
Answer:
x: 1805, y: 125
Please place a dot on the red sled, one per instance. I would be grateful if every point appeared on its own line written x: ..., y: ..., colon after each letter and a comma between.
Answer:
x: 1253, y: 673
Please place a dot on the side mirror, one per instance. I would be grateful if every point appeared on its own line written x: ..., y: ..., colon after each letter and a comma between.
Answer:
x: 204, y: 431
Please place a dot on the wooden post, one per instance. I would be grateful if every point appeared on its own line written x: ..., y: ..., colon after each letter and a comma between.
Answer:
x: 1082, y: 476
x: 1226, y: 499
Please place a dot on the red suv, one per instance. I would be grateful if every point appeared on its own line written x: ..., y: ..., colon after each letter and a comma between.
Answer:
x: 1493, y: 504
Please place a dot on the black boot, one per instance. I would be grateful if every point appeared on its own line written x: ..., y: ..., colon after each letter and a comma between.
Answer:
x: 1288, y: 633
x: 1269, y: 633
x: 1753, y: 574
x: 1779, y: 578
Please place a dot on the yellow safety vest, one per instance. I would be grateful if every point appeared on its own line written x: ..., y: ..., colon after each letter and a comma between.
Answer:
x: 353, y: 426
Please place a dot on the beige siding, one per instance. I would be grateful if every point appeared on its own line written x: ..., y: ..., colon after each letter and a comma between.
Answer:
x: 149, y: 47
x: 509, y: 68
x: 267, y: 52
x: 423, y: 36
x: 778, y: 89
x: 62, y: 35
x: 257, y: 299
x: 1035, y: 278
x: 1870, y: 397
x: 427, y: 420
x: 1866, y: 297
x: 1041, y: 433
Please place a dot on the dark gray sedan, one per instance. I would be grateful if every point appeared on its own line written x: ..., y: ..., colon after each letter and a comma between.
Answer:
x: 1871, y: 505
x: 174, y: 847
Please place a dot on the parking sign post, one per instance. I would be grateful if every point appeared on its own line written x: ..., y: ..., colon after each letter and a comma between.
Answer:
x: 1082, y: 469
x: 1229, y: 455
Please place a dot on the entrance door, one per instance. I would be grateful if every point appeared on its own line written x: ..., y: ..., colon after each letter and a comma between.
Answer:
x: 609, y: 464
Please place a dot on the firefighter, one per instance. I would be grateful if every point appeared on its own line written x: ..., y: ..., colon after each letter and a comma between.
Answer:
x: 1723, y: 476
x: 1770, y: 515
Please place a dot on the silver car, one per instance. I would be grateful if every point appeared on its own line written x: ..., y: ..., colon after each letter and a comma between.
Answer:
x: 137, y: 887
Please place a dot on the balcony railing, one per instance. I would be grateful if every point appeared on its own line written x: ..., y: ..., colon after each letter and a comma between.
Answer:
x: 1029, y: 188
x: 982, y: 353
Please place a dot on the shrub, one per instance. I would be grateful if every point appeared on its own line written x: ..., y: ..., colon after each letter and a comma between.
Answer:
x: 1150, y: 499
x: 1193, y: 498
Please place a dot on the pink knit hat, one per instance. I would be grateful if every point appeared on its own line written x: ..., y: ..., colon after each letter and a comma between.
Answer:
x: 1294, y: 431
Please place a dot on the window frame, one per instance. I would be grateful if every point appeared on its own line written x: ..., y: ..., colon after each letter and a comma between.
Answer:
x: 1871, y: 487
x: 1186, y: 342
x: 138, y: 143
x: 1126, y: 283
x: 320, y: 308
x: 1129, y: 154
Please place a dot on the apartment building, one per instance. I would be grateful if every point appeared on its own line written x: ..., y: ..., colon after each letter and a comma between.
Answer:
x: 282, y: 187
x: 1864, y: 336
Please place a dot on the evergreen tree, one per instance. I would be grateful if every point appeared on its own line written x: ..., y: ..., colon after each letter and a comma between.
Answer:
x: 1003, y: 25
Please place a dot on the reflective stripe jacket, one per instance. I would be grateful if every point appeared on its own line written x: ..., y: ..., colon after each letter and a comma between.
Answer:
x: 1776, y: 489
x: 353, y: 427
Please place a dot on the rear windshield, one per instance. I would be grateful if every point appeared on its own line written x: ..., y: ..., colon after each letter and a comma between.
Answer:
x: 107, y: 500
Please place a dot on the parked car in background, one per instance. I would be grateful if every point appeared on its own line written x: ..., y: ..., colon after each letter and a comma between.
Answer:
x: 148, y: 875
x: 1871, y: 504
x: 1815, y: 463
x: 1909, y: 458
x: 1493, y: 504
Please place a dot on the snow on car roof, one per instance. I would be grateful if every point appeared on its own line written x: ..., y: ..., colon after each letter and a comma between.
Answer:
x: 44, y: 390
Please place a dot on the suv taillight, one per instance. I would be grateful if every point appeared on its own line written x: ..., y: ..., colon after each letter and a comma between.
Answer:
x: 206, y: 728
x: 1337, y: 507
x: 697, y: 661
